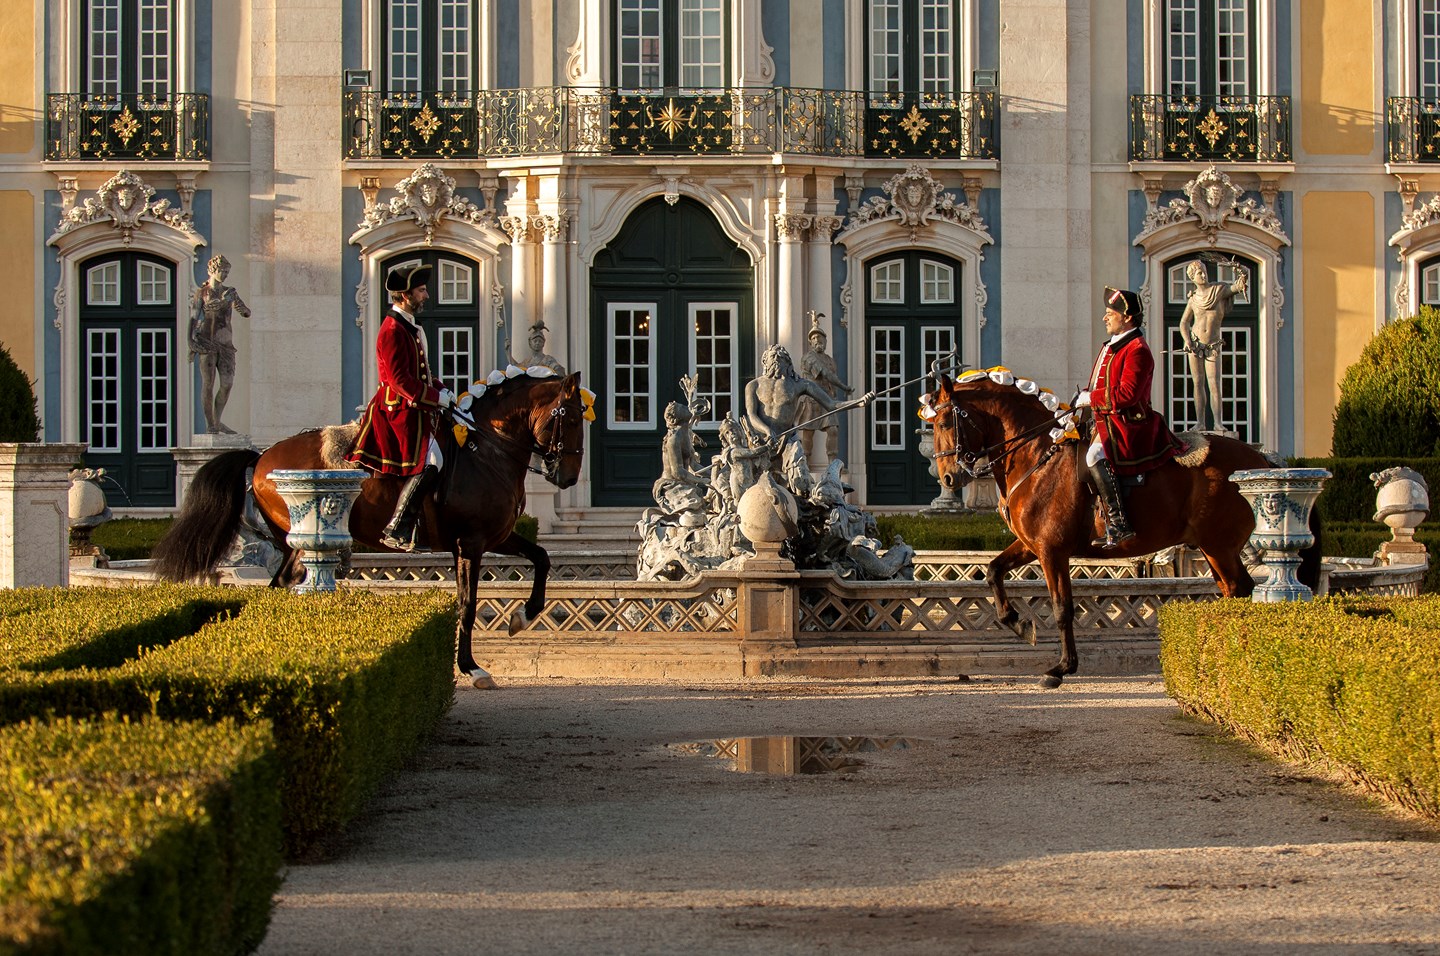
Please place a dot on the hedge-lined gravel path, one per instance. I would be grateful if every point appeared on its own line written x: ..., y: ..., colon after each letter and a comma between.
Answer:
x: 552, y: 817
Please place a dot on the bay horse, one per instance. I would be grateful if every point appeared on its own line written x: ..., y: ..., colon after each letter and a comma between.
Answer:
x: 481, y: 492
x: 996, y: 418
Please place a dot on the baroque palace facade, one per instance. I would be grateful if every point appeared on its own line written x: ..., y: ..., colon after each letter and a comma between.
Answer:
x: 673, y: 185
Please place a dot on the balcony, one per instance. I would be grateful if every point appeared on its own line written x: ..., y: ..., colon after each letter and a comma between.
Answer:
x: 1210, y: 129
x: 1412, y: 130
x: 611, y: 122
x: 141, y: 127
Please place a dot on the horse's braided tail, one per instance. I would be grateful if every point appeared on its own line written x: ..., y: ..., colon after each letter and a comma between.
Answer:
x: 208, y: 521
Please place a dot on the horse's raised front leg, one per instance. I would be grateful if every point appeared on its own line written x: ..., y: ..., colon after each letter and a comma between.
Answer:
x: 1057, y: 579
x: 539, y: 558
x: 467, y: 574
x: 1003, y: 563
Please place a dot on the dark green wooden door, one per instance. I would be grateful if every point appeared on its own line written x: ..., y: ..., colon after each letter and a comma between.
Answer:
x: 912, y: 318
x: 670, y: 296
x: 127, y: 375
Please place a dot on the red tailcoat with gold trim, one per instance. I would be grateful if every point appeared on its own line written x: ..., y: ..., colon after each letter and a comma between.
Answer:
x: 396, y: 428
x: 1135, y: 435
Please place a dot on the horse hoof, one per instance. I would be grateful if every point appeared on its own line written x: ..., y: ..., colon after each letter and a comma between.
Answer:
x: 480, y: 679
x: 519, y: 620
x: 1050, y: 682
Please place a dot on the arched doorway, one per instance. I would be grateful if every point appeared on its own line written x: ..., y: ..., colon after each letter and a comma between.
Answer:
x: 127, y: 375
x: 1239, y: 353
x: 671, y: 295
x: 912, y: 318
x: 451, y: 319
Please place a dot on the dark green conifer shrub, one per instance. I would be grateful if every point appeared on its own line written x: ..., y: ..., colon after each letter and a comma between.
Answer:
x: 1390, y: 398
x: 18, y: 419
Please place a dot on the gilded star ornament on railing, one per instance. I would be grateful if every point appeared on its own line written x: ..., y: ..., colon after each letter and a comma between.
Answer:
x: 914, y: 123
x: 425, y: 123
x: 1212, y: 127
x: 672, y: 118
x: 125, y: 125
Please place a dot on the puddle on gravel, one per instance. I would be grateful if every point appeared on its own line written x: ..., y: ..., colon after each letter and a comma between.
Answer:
x: 795, y: 755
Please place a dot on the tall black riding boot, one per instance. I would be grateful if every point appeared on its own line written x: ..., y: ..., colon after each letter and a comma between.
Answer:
x: 400, y: 532
x: 1117, y: 525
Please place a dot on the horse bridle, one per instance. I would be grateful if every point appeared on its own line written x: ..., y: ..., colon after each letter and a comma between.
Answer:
x: 993, y: 454
x: 550, y: 454
x: 555, y: 451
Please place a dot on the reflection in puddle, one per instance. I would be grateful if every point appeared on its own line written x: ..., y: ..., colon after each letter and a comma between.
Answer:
x: 792, y: 755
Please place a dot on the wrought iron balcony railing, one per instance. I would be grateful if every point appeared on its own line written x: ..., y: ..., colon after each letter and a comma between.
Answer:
x: 606, y: 121
x: 132, y: 126
x: 1234, y: 129
x: 1412, y: 130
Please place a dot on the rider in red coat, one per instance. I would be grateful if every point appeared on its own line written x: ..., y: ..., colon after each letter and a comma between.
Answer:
x: 1130, y: 436
x: 397, y: 431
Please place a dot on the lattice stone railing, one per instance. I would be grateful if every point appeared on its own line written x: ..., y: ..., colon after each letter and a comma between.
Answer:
x: 619, y: 565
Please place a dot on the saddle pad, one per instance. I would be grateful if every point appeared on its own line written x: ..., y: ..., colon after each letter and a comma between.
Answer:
x: 336, y: 442
x: 1196, y: 449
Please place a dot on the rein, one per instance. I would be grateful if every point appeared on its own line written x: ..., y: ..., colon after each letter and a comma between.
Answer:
x: 550, y: 454
x: 1000, y: 450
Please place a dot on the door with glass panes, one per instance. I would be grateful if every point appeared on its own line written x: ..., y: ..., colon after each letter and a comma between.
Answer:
x: 451, y: 317
x: 127, y: 375
x: 912, y: 318
x: 1239, y: 352
x: 671, y: 296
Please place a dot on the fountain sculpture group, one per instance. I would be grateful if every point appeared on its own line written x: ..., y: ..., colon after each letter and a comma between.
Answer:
x: 756, y: 485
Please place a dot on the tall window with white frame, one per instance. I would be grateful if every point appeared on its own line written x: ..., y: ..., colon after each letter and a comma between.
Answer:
x: 914, y: 81
x: 911, y: 49
x: 127, y: 47
x: 1210, y: 85
x: 1427, y: 50
x: 429, y: 46
x: 672, y: 44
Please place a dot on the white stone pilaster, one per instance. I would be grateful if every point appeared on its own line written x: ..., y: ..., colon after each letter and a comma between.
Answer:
x: 35, y: 513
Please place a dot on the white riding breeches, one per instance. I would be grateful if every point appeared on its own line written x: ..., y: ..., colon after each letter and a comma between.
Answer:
x: 1094, y: 453
x: 432, y: 454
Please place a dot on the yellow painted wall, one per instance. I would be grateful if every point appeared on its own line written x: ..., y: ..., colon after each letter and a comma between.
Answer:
x: 18, y: 104
x: 1336, y: 101
x: 1339, y: 295
x: 17, y: 251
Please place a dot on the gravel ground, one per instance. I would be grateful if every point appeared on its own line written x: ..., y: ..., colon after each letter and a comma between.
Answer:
x: 556, y: 817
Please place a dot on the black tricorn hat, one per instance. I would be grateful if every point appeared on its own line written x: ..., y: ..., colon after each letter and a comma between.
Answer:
x: 407, y: 278
x: 1123, y: 301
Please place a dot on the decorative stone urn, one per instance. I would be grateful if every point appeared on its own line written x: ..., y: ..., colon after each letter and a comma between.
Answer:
x: 88, y: 511
x: 768, y: 516
x: 948, y: 501
x: 1402, y: 501
x: 319, y: 502
x: 1281, y: 499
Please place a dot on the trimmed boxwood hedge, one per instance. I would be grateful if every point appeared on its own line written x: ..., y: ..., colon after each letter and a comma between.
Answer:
x: 56, y: 628
x: 1352, y: 682
x: 137, y: 837
x: 351, y: 681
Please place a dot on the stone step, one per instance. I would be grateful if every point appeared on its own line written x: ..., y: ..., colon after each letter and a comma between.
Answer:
x: 591, y: 528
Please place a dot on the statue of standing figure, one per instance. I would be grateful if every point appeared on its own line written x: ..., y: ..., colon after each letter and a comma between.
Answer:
x: 212, y: 343
x: 819, y: 367
x: 1205, y: 312
x: 772, y: 407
